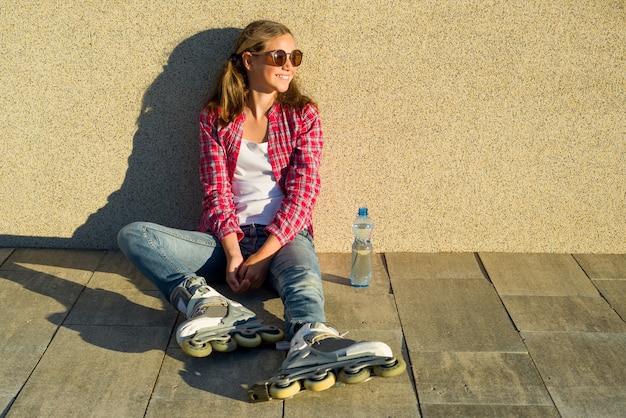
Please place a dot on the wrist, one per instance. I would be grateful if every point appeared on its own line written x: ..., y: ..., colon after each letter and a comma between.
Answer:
x: 269, y: 248
x: 230, y: 245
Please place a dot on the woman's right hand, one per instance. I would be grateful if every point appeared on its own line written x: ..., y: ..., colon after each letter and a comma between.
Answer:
x: 234, y: 260
x: 232, y: 277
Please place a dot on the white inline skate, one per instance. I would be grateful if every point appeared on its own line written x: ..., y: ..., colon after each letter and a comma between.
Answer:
x: 215, y: 322
x: 317, y: 354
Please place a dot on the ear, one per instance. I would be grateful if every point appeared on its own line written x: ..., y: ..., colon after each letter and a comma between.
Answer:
x: 246, y: 58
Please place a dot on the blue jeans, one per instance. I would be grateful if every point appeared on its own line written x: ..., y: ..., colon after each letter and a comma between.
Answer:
x: 168, y: 256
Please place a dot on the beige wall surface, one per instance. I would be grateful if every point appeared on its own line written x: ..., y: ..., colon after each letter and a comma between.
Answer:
x: 462, y: 125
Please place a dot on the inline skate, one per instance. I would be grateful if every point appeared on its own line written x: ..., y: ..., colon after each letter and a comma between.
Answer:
x: 215, y: 322
x: 317, y: 352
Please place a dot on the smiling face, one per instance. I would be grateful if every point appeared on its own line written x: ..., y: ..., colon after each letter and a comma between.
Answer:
x: 266, y: 78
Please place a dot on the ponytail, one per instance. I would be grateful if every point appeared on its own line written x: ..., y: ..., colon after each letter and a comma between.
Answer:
x: 229, y: 95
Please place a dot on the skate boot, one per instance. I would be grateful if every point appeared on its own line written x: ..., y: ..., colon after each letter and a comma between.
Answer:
x: 317, y: 354
x: 215, y: 322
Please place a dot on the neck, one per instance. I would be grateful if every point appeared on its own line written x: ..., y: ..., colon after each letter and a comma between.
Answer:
x: 259, y: 103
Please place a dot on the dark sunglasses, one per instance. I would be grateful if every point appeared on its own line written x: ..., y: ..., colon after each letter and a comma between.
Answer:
x: 279, y: 57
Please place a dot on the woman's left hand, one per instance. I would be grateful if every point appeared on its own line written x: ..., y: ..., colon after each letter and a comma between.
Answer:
x: 254, y: 270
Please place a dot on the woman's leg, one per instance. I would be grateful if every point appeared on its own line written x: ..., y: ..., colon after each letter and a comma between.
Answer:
x: 295, y: 273
x: 168, y: 256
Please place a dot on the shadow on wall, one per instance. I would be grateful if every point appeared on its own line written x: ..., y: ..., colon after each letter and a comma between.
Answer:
x: 161, y: 183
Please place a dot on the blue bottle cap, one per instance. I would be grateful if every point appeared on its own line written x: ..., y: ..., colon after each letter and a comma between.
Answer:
x: 362, y: 211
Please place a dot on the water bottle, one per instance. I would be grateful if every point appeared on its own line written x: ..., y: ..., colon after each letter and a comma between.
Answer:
x: 361, y: 268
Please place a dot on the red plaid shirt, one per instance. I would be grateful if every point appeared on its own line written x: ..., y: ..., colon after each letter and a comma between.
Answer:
x: 295, y: 142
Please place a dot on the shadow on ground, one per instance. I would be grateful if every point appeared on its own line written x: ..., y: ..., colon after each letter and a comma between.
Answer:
x: 108, y: 304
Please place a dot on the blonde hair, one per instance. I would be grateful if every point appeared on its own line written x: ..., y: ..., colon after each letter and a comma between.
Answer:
x: 231, y: 90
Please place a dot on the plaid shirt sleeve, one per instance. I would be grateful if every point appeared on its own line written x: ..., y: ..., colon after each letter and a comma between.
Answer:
x: 217, y: 156
x: 296, y: 140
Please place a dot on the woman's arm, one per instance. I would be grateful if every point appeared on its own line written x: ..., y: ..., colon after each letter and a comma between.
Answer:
x: 301, y: 179
x: 219, y: 213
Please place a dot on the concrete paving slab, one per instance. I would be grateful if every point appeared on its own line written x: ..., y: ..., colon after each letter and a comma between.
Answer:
x: 489, y: 411
x: 115, y: 273
x: 614, y: 291
x: 454, y: 315
x: 33, y: 305
x: 478, y: 378
x: 336, y: 275
x: 4, y: 254
x: 563, y: 313
x: 362, y: 310
x: 94, y: 371
x: 434, y: 266
x: 52, y: 260
x: 537, y: 275
x: 184, y: 408
x: 23, y: 343
x: 352, y: 308
x: 603, y: 266
x: 218, y: 382
x: 379, y: 397
x: 590, y: 401
x: 31, y: 294
x: 585, y: 373
x: 6, y: 400
x: 85, y: 321
x: 172, y: 342
x: 133, y: 307
x: 579, y: 359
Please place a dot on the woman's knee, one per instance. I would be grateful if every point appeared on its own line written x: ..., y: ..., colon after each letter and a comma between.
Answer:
x: 301, y: 280
x: 128, y: 236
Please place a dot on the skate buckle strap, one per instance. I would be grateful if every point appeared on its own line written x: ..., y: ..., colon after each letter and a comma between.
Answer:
x: 320, y: 337
x: 259, y: 393
x: 214, y: 307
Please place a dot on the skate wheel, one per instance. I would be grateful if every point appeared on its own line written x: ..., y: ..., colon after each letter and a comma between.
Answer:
x: 196, y: 350
x: 272, y: 336
x: 318, y: 385
x: 224, y: 346
x: 253, y: 340
x: 352, y: 377
x: 284, y: 392
x: 392, y: 370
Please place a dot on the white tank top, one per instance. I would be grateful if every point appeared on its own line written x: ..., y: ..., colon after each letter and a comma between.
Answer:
x: 257, y: 194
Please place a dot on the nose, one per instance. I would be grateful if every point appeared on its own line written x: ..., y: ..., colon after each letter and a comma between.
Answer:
x: 288, y: 64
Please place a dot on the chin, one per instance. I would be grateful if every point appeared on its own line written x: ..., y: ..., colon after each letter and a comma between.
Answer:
x: 282, y: 89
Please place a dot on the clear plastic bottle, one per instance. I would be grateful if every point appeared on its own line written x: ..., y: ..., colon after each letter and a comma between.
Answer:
x: 361, y: 268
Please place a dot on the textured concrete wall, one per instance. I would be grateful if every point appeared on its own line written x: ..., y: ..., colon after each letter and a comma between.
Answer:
x: 463, y: 125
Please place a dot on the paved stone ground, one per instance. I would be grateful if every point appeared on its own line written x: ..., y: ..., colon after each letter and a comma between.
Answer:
x: 524, y: 335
